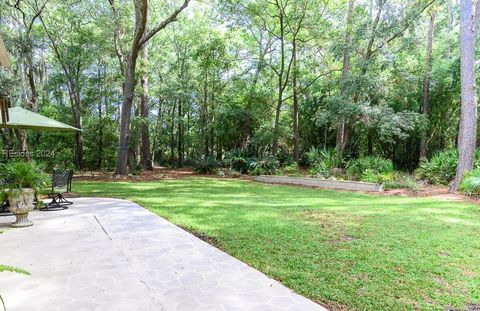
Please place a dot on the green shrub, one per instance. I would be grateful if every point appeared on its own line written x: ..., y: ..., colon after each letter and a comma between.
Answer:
x: 136, y: 171
x: 369, y: 175
x: 23, y: 174
x: 471, y: 183
x: 266, y: 166
x: 229, y: 155
x: 240, y: 165
x: 313, y: 156
x: 319, y: 171
x: 170, y: 158
x: 291, y: 169
x: 322, y: 162
x: 401, y: 181
x: 370, y: 169
x: 206, y: 166
x: 189, y: 162
x: 3, y: 197
x: 236, y: 160
x: 312, y: 171
x: 440, y: 169
x: 284, y: 157
x: 330, y: 159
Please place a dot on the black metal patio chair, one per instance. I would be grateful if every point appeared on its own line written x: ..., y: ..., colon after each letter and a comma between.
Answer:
x: 4, y: 205
x: 61, y: 185
x: 4, y: 211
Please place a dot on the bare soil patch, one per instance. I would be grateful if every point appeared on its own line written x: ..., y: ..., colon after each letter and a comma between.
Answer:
x: 469, y: 307
x: 439, y: 192
x: 158, y: 173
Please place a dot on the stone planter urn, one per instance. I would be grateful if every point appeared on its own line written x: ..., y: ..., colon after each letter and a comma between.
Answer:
x: 21, y: 203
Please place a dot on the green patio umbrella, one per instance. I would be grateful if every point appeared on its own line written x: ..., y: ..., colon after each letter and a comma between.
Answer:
x: 19, y: 118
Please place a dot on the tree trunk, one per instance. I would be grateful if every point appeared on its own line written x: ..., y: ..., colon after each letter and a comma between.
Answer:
x: 277, y: 117
x: 101, y: 76
x: 78, y: 134
x: 74, y: 95
x: 247, y: 129
x: 211, y: 121
x: 32, y: 104
x: 144, y: 112
x: 341, y: 137
x: 22, y: 142
x: 281, y: 86
x: 172, y: 133
x: 134, y: 140
x: 468, y: 112
x: 370, y: 142
x: 426, y: 83
x: 180, y: 135
x: 100, y: 136
x: 126, y: 114
x: 141, y: 10
x: 22, y: 134
x: 158, y: 130
x: 7, y: 139
x: 188, y: 150
x: 296, y: 151
x: 450, y: 15
x: 206, y: 149
x: 73, y: 87
x: 140, y: 37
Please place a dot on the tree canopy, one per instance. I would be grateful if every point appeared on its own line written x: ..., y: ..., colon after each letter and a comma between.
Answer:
x: 169, y: 82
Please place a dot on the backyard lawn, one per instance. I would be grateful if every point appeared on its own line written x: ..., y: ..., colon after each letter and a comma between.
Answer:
x: 344, y: 250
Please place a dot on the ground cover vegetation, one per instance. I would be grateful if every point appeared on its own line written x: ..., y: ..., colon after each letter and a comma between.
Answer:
x: 256, y: 86
x: 345, y: 250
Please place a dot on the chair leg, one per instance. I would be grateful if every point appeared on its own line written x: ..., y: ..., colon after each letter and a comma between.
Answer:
x: 55, y: 204
x: 4, y: 209
x: 61, y: 200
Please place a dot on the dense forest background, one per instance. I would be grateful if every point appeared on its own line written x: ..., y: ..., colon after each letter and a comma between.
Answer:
x: 258, y: 77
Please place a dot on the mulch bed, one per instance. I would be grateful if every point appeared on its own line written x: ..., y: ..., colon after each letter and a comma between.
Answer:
x: 158, y: 173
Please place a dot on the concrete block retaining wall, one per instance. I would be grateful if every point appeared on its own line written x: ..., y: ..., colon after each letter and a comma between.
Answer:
x: 321, y: 183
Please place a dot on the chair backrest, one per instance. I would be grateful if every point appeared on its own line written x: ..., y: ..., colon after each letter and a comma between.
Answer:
x: 4, y: 204
x: 60, y: 179
x: 70, y: 178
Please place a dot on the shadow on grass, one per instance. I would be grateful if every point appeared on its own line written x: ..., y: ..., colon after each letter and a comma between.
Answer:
x: 341, y: 248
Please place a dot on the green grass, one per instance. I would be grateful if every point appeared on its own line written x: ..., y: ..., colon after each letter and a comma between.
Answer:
x: 345, y: 250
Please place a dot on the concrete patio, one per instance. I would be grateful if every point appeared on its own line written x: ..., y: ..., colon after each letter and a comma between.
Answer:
x: 109, y: 254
